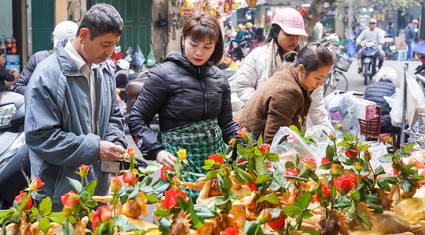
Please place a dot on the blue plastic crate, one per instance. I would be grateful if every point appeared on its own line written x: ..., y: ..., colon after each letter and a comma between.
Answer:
x: 419, y: 48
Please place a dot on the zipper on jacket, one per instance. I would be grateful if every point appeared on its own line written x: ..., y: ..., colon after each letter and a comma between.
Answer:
x: 205, y: 94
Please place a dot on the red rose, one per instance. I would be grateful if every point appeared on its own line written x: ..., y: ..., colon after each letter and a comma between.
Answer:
x: 264, y: 148
x: 130, y: 178
x: 163, y: 170
x: 278, y: 223
x: 216, y: 158
x: 325, y: 161
x: 242, y: 133
x: 346, y: 183
x: 20, y: 197
x: 171, y: 197
x: 291, y: 172
x: 351, y: 153
x: 326, y: 192
x: 229, y: 231
x: 69, y: 202
x: 36, y: 184
x: 102, y: 214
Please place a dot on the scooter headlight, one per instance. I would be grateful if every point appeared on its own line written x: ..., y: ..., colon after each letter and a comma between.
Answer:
x: 6, y: 114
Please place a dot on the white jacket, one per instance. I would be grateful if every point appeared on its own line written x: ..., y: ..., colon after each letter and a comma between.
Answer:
x: 254, y: 72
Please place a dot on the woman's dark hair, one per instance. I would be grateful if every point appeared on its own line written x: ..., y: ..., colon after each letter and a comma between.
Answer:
x: 200, y: 26
x: 274, y: 32
x: 101, y: 19
x: 312, y: 56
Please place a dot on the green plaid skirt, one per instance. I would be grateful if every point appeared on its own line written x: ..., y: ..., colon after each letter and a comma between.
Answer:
x: 200, y: 139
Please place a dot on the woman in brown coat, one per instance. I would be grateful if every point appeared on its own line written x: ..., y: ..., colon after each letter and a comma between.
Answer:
x: 286, y: 95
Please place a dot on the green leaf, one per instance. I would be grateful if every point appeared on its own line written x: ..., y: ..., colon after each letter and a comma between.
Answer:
x: 391, y: 179
x: 75, y: 185
x: 290, y: 164
x: 293, y: 211
x: 244, y: 176
x: 57, y: 217
x: 253, y: 228
x: 343, y: 202
x: 161, y: 212
x: 150, y: 199
x: 260, y: 166
x: 67, y: 228
x: 259, y: 140
x: 160, y: 186
x: 164, y: 225
x: 45, y: 206
x: 379, y: 171
x: 44, y: 224
x: 384, y: 185
x: 273, y: 157
x: 330, y: 153
x: 91, y: 187
x: 406, y: 186
x: 303, y: 201
x: 385, y: 159
x: 133, y: 194
x: 203, y: 212
x: 262, y: 179
x: 150, y: 169
x: 269, y: 198
x: 408, y: 147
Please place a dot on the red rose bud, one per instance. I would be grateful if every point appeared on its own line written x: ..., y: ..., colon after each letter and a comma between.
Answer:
x: 366, y: 155
x: 216, y: 158
x: 36, y: 184
x: 229, y: 231
x: 116, y: 184
x: 163, y: 170
x: 277, y: 224
x: 310, y: 163
x: 20, y: 197
x: 84, y: 169
x: 336, y: 169
x: 69, y: 202
x: 129, y: 178
x: 291, y: 172
x: 102, y: 214
x: 130, y: 151
x: 242, y: 133
x: 264, y: 148
x: 325, y: 160
x: 351, y: 153
x: 171, y: 197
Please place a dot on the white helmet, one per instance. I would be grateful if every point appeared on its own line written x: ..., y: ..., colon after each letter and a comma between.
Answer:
x: 64, y: 30
x: 123, y: 64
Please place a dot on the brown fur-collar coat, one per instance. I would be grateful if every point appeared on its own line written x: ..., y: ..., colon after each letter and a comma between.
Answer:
x: 279, y: 102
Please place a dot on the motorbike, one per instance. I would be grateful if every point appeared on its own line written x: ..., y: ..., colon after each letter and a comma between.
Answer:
x: 390, y: 48
x: 14, y: 161
x: 419, y: 49
x: 238, y: 51
x: 369, y: 60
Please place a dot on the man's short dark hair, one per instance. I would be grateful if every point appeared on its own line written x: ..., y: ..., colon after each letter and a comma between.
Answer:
x: 100, y: 19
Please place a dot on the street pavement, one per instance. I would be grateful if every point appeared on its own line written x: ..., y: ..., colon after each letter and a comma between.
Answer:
x: 356, y: 81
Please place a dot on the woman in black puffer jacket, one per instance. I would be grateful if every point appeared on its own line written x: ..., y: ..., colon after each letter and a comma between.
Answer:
x: 384, y: 86
x: 192, y: 98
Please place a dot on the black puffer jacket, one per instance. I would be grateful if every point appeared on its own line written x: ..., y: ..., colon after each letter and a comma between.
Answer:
x: 24, y: 77
x: 181, y: 94
x: 375, y: 92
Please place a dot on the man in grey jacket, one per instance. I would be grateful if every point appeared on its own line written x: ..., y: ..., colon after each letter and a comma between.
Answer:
x: 71, y: 118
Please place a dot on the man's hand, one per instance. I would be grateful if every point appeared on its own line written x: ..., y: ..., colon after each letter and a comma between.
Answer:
x: 109, y: 151
x: 166, y: 159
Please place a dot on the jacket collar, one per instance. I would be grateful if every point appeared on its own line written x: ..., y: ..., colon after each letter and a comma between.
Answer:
x: 69, y: 68
x: 204, y: 70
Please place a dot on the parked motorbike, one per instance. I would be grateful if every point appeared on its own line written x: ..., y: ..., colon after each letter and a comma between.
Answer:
x: 14, y: 161
x: 390, y: 48
x: 369, y: 60
x: 238, y: 51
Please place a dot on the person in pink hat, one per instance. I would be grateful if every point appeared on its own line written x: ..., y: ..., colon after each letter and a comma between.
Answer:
x: 287, y: 29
